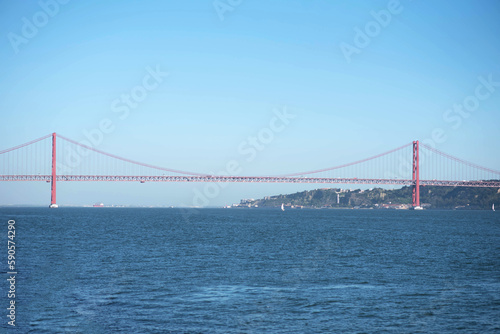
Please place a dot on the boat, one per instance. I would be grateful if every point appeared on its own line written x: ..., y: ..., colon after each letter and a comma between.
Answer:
x: 53, y: 206
x: 418, y: 207
x: 98, y: 205
x: 282, y: 207
x: 493, y: 207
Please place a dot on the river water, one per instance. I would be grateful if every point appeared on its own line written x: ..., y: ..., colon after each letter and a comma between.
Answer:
x: 111, y: 270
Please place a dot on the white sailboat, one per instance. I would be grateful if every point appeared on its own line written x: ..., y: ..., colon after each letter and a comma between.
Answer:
x: 282, y: 207
x: 493, y: 207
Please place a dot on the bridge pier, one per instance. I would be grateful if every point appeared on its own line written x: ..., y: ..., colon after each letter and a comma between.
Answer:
x: 53, y: 179
x: 416, y: 177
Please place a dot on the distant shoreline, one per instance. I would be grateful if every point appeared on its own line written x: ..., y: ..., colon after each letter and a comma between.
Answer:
x: 224, y: 208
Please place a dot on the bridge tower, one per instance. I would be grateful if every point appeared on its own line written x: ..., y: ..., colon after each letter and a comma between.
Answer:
x: 416, y: 177
x: 53, y: 179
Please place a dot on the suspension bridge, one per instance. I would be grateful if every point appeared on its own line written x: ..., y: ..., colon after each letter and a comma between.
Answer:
x: 54, y: 158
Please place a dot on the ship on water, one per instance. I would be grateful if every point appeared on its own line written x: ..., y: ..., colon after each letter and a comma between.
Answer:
x: 98, y: 205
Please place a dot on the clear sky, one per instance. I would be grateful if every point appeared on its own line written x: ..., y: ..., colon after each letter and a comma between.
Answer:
x: 360, y: 77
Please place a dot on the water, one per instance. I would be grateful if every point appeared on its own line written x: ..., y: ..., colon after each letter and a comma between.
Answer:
x: 105, y: 270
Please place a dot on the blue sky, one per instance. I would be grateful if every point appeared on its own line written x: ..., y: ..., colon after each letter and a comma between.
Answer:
x: 226, y: 76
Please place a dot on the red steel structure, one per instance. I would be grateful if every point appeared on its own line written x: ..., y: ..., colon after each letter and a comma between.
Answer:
x: 83, y: 162
x: 416, y: 176
x: 53, y: 176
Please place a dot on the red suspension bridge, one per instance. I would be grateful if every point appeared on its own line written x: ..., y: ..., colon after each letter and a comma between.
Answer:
x: 54, y: 158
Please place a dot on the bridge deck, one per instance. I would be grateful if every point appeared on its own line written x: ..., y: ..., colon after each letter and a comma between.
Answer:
x: 247, y: 179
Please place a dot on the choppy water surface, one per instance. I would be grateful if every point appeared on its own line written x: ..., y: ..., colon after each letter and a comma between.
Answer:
x: 104, y: 270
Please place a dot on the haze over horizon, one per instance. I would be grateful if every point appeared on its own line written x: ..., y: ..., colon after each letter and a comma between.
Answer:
x: 187, y: 85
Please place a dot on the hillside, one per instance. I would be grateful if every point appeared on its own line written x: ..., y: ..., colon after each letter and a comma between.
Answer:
x: 431, y: 197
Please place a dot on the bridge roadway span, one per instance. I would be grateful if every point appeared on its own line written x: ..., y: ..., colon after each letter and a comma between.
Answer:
x: 246, y: 179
